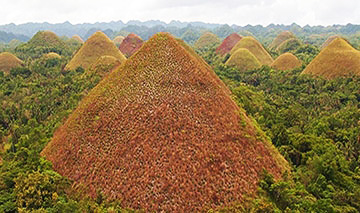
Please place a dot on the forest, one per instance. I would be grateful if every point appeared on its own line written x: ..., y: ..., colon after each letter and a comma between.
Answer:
x: 312, y: 121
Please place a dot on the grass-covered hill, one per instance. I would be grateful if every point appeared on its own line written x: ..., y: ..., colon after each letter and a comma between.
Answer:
x: 255, y: 47
x: 338, y: 59
x: 207, y: 40
x: 9, y: 61
x: 160, y: 133
x: 280, y: 38
x: 243, y: 60
x: 286, y: 61
x: 130, y: 44
x: 228, y: 43
x: 96, y: 46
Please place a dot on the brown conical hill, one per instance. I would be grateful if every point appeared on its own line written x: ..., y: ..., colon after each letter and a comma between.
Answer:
x: 338, y: 59
x: 286, y: 61
x: 130, y: 44
x: 206, y: 40
x: 328, y: 41
x: 228, y: 43
x: 160, y: 134
x: 96, y: 46
x: 243, y: 60
x: 289, y: 45
x: 118, y: 40
x: 77, y: 38
x: 255, y: 48
x: 280, y: 38
x: 9, y: 61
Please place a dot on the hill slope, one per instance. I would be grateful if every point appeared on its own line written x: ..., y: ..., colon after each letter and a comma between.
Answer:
x: 130, y: 44
x: 243, y: 60
x: 255, y: 48
x: 160, y: 133
x: 338, y: 59
x: 228, y: 43
x: 286, y: 61
x: 280, y: 38
x: 96, y: 46
x: 9, y: 61
x: 206, y: 40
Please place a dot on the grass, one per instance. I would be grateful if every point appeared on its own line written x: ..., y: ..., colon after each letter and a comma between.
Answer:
x: 103, y: 65
x: 243, y: 60
x: 96, y: 46
x: 160, y: 133
x: 51, y: 55
x: 118, y: 40
x: 130, y: 44
x: 288, y: 45
x: 255, y: 48
x: 9, y: 61
x: 228, y: 43
x: 206, y: 40
x: 286, y: 61
x: 280, y: 38
x: 338, y: 59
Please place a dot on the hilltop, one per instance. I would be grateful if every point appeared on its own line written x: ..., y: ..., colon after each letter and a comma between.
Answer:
x: 96, y: 46
x: 255, y: 48
x: 206, y: 40
x: 41, y: 43
x: 286, y: 61
x: 328, y: 41
x: 78, y: 39
x: 118, y: 40
x: 130, y: 44
x: 338, y: 59
x: 280, y: 38
x: 228, y: 43
x: 289, y: 45
x: 9, y: 61
x: 161, y: 133
x: 243, y: 60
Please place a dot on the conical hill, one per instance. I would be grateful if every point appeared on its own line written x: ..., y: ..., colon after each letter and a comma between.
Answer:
x: 243, y: 60
x: 96, y: 46
x: 286, y: 61
x: 130, y: 44
x: 9, y: 61
x: 338, y: 59
x: 255, y: 48
x: 328, y: 41
x: 103, y: 65
x: 78, y: 39
x: 228, y: 43
x: 207, y: 40
x: 280, y: 38
x: 118, y: 40
x: 161, y: 134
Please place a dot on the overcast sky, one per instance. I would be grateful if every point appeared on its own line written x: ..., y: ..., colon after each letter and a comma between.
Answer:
x: 240, y: 12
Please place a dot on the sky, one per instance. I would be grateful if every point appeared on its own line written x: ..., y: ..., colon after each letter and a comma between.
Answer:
x: 239, y: 12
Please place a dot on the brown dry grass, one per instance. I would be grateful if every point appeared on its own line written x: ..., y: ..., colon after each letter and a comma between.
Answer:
x: 96, y: 46
x: 228, y: 43
x: 130, y: 44
x: 243, y: 60
x: 256, y: 48
x: 338, y: 59
x: 207, y: 39
x: 328, y: 41
x: 9, y: 61
x: 161, y: 134
x: 103, y: 65
x: 286, y: 61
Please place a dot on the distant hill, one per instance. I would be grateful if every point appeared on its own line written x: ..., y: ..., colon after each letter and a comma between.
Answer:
x: 7, y: 37
x: 228, y: 43
x: 338, y: 59
x: 243, y: 60
x: 286, y: 61
x: 206, y: 40
x: 96, y: 46
x: 130, y: 44
x: 161, y: 133
x: 9, y: 61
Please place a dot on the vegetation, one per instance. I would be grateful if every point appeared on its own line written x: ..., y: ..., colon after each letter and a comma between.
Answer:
x: 255, y: 48
x: 290, y: 45
x: 243, y: 60
x: 286, y: 61
x: 283, y: 36
x: 96, y: 46
x: 130, y: 44
x: 338, y: 59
